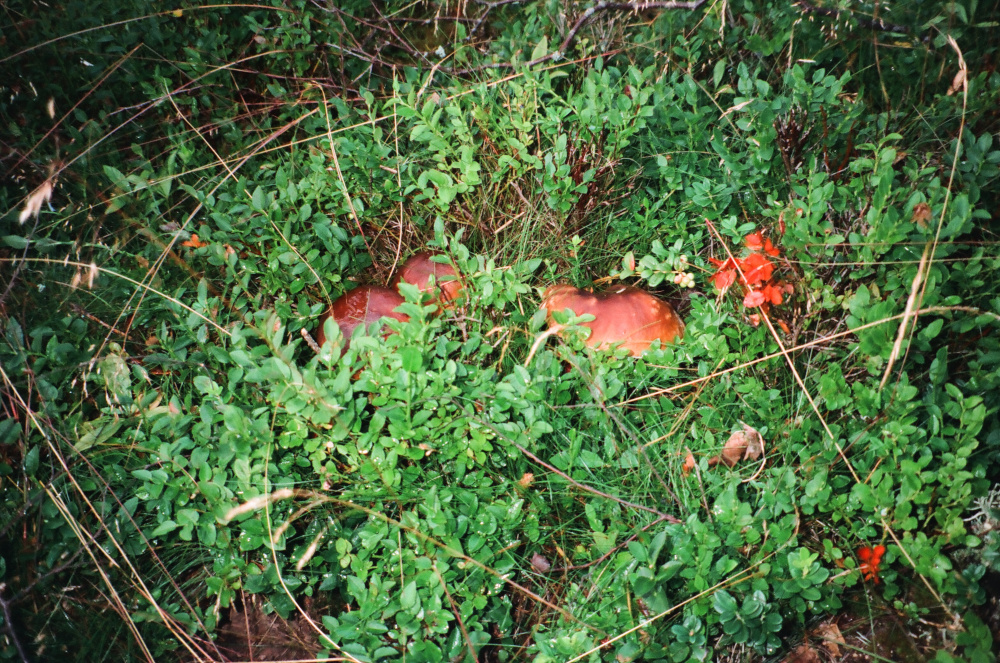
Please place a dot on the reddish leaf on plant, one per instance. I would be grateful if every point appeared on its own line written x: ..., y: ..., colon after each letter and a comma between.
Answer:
x: 728, y: 263
x: 724, y: 278
x: 194, y: 242
x: 689, y: 464
x: 771, y: 294
x: 757, y: 269
x: 726, y: 274
x: 870, y: 560
x: 770, y: 249
x: 754, y: 241
x: 754, y: 298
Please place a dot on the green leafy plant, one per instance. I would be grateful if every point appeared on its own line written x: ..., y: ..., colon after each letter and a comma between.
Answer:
x: 207, y: 180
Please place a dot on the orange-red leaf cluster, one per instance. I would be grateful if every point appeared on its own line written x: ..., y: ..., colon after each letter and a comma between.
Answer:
x: 870, y: 560
x: 194, y: 242
x: 755, y: 274
x: 756, y: 243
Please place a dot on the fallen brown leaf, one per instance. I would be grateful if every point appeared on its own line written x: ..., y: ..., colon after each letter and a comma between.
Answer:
x: 921, y: 214
x: 540, y: 564
x: 830, y: 634
x: 957, y: 83
x: 746, y: 444
x: 755, y: 444
x: 38, y: 197
x: 802, y: 654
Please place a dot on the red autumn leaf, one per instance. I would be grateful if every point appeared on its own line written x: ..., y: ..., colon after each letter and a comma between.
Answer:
x: 724, y: 278
x: 689, y: 464
x: 772, y: 294
x: 870, y: 560
x: 754, y: 241
x: 770, y: 249
x: 756, y: 268
x: 754, y: 298
x: 194, y: 242
x: 728, y: 263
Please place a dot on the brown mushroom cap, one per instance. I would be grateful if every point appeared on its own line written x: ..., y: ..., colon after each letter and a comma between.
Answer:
x: 419, y: 269
x: 626, y: 315
x: 366, y: 304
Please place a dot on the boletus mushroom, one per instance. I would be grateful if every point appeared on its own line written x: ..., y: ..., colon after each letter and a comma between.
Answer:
x: 419, y: 269
x: 626, y: 315
x: 363, y: 305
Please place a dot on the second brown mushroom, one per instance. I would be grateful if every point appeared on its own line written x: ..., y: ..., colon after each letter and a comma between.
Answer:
x: 624, y: 315
x: 363, y: 305
x: 419, y: 269
x: 369, y: 303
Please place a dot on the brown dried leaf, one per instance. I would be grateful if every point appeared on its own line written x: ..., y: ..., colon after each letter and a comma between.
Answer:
x: 735, y: 447
x: 802, y: 654
x: 755, y: 444
x: 38, y: 197
x: 921, y: 214
x: 526, y: 480
x: 830, y: 634
x: 540, y: 564
x: 746, y: 444
x: 957, y: 83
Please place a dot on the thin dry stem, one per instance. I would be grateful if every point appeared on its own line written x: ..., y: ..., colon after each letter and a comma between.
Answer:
x: 809, y: 344
x: 788, y: 359
x: 911, y: 304
x: 346, y: 504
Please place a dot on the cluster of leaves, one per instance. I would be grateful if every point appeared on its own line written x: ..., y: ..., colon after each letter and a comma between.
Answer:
x: 754, y: 273
x: 429, y: 495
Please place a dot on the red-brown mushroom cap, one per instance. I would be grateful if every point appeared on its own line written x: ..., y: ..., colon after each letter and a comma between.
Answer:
x: 419, y: 269
x: 366, y: 304
x: 626, y: 315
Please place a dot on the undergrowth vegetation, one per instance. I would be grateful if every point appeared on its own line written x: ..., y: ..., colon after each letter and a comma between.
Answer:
x: 814, y: 187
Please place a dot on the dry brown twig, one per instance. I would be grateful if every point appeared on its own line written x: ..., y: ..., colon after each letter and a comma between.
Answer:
x: 919, y: 286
